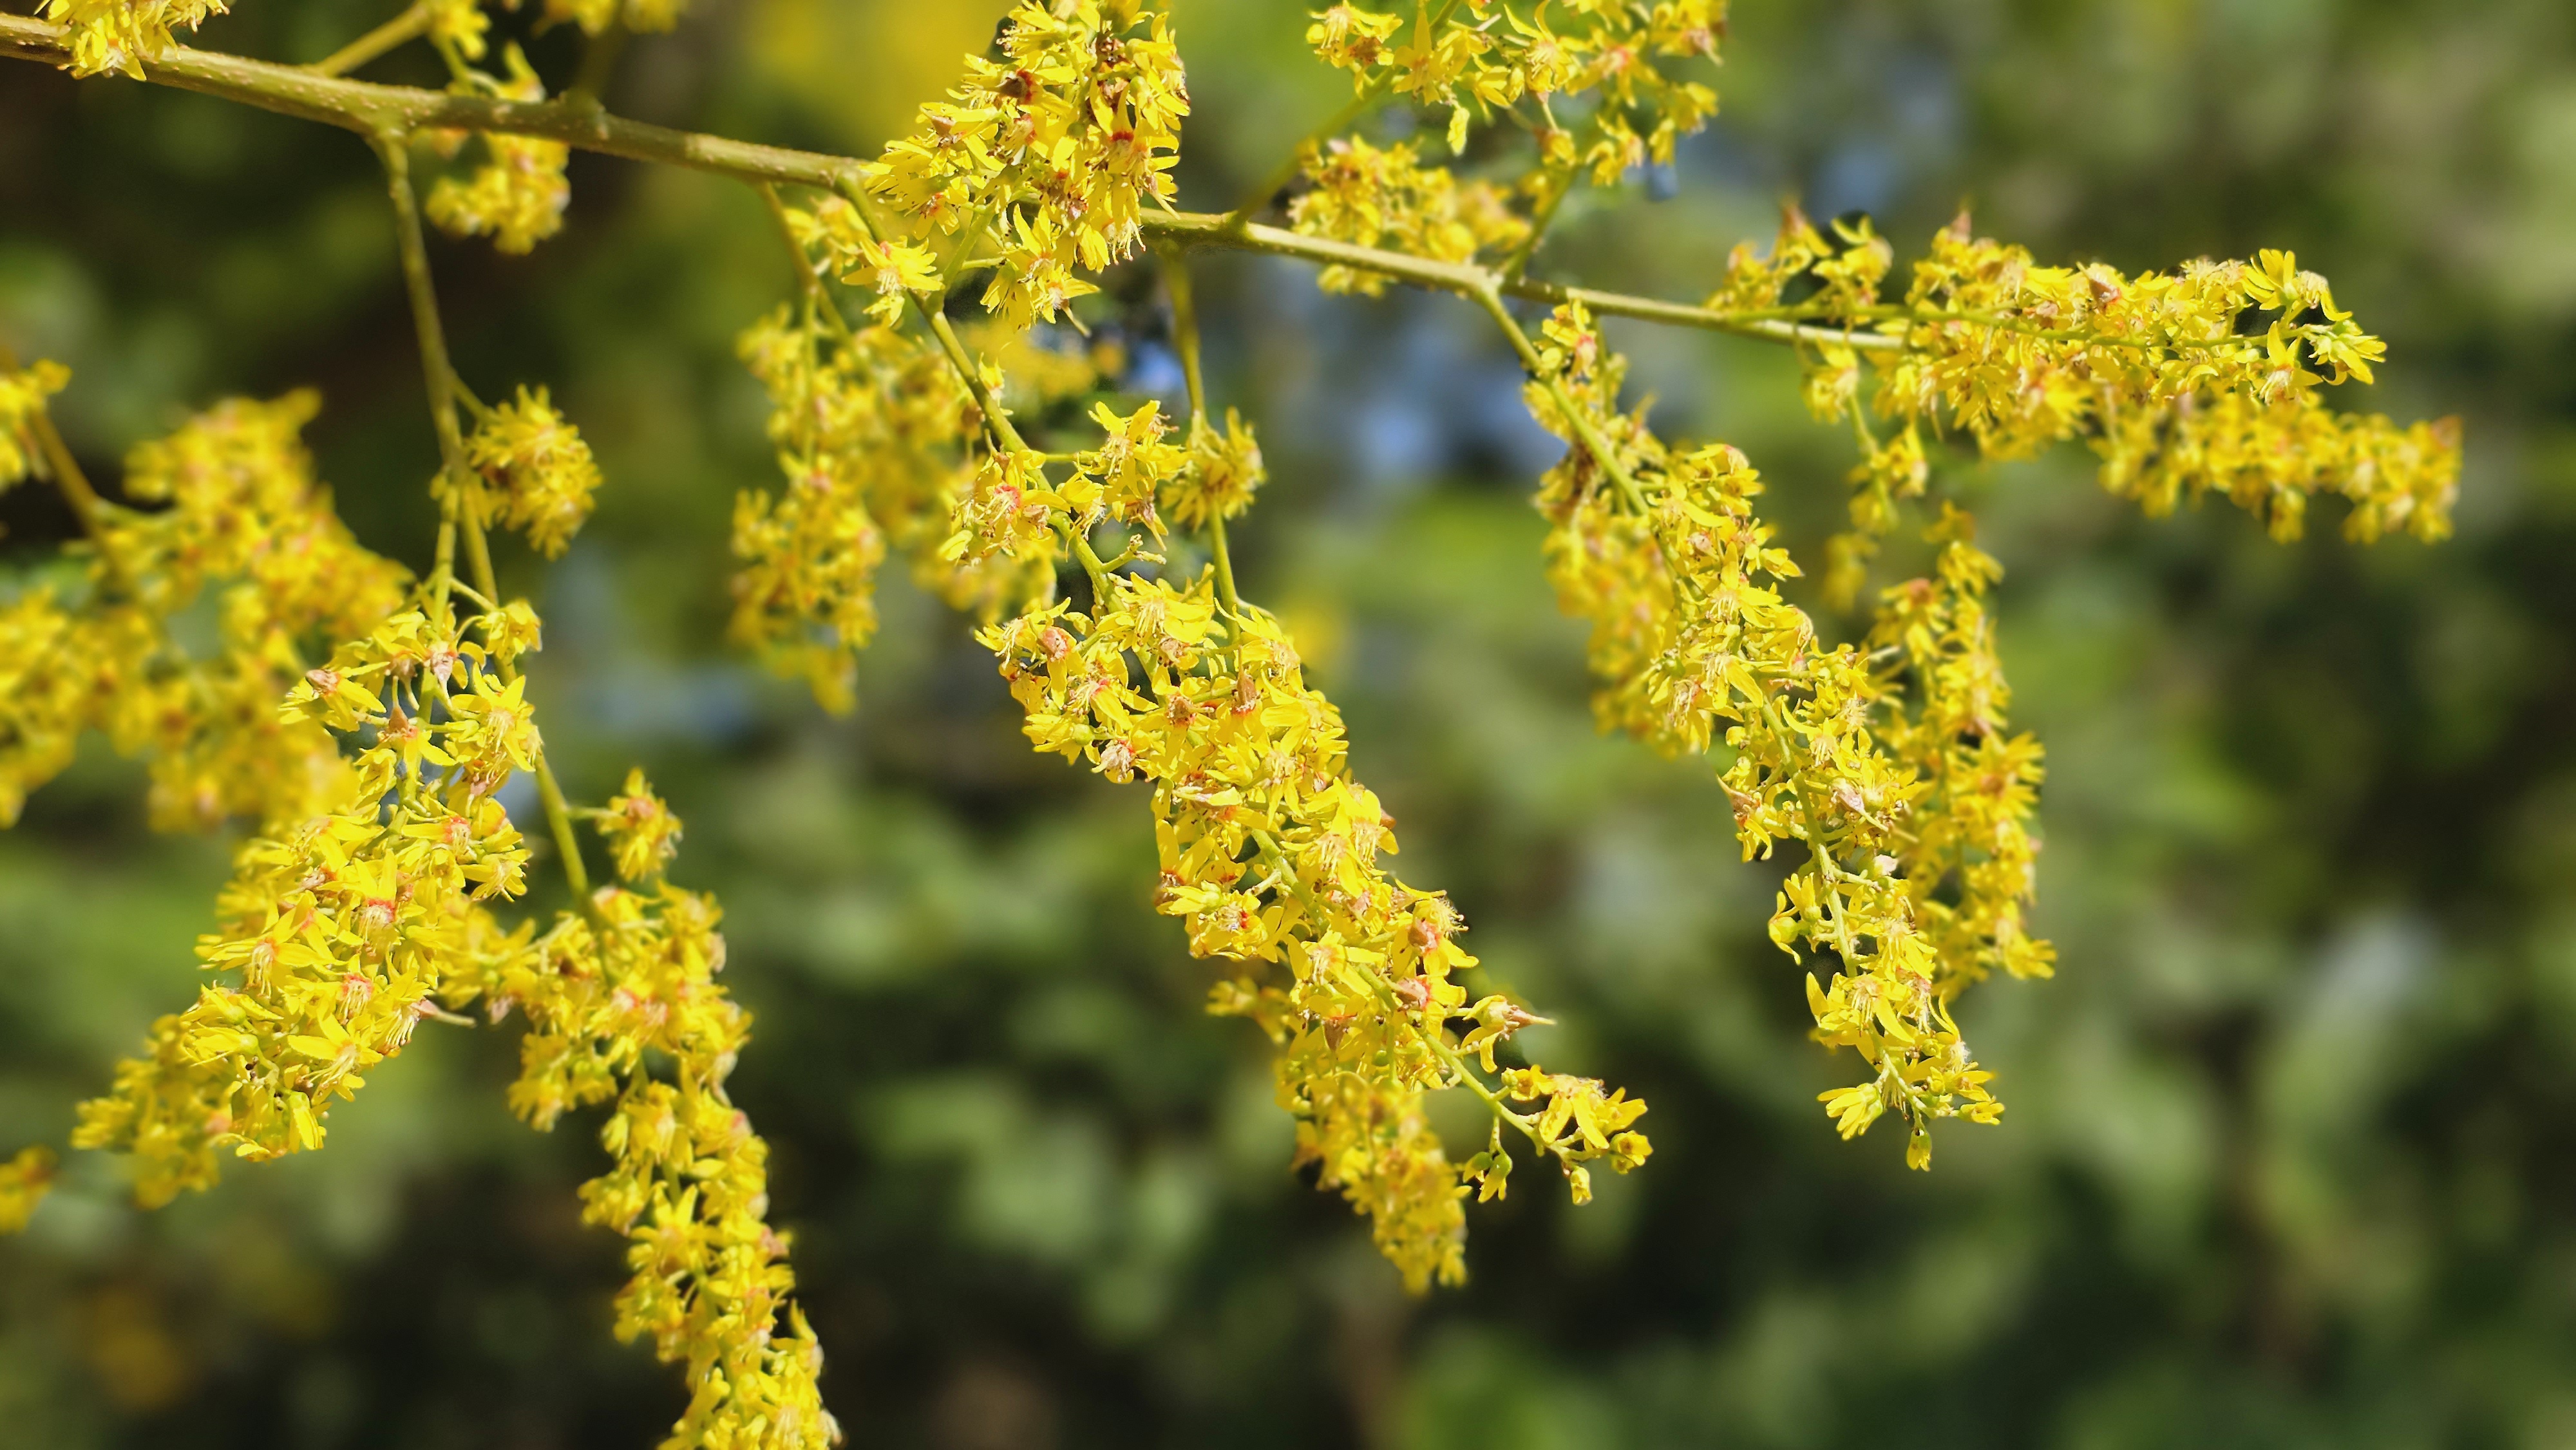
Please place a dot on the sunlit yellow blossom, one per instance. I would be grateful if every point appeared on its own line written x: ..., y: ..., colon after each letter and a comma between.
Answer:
x: 537, y: 473
x: 623, y: 1006
x: 1223, y: 471
x: 460, y: 25
x: 1479, y: 58
x: 2174, y: 378
x: 121, y: 35
x: 22, y: 401
x: 24, y: 1182
x: 519, y: 194
x: 1383, y: 198
x: 338, y: 931
x: 1270, y: 853
x: 640, y: 830
x: 1080, y: 115
x: 891, y: 269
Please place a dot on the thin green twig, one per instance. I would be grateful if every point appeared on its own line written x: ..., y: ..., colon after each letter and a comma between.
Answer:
x: 403, y: 29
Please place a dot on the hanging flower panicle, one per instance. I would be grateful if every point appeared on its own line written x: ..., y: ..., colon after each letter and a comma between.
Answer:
x: 1049, y: 154
x: 340, y: 929
x: 623, y: 1007
x: 1270, y: 852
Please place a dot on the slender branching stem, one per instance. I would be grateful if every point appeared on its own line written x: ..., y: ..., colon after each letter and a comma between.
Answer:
x: 598, y: 65
x: 1585, y: 430
x: 995, y: 420
x: 1463, y: 1073
x: 808, y: 280
x: 1185, y: 325
x: 403, y: 29
x: 88, y: 509
x: 568, y: 846
x: 1185, y: 338
x: 394, y: 147
x: 1560, y: 184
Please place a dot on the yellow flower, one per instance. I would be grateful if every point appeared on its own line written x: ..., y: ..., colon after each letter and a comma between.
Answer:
x: 1081, y: 113
x: 538, y: 473
x: 641, y: 831
x: 519, y: 194
x: 22, y: 402
x: 24, y: 1182
x: 1385, y: 198
x: 120, y: 35
x: 460, y: 25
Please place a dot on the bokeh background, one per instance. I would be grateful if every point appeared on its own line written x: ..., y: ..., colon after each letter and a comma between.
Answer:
x: 2290, y: 1159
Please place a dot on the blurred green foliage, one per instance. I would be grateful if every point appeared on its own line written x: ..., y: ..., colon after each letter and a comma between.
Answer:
x: 2288, y: 1162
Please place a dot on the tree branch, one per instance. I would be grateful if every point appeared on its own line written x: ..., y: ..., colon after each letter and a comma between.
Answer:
x: 578, y: 121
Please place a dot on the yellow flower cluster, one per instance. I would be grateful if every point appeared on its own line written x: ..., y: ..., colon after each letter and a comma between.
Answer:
x: 24, y: 1182
x: 644, y: 17
x: 1015, y: 511
x: 611, y: 994
x: 1892, y: 760
x: 240, y: 515
x: 534, y: 472
x: 868, y: 424
x: 1967, y: 856
x: 1223, y: 472
x: 361, y: 907
x: 1458, y: 57
x: 1661, y: 551
x: 120, y: 35
x: 340, y: 929
x: 1270, y: 851
x: 892, y: 270
x: 1384, y: 197
x: 2270, y: 458
x: 640, y: 830
x: 22, y: 402
x: 1049, y: 153
x: 459, y: 25
x: 518, y: 194
x: 2177, y: 380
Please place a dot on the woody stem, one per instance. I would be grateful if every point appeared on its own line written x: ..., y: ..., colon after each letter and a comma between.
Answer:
x: 86, y: 506
x: 365, y: 107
